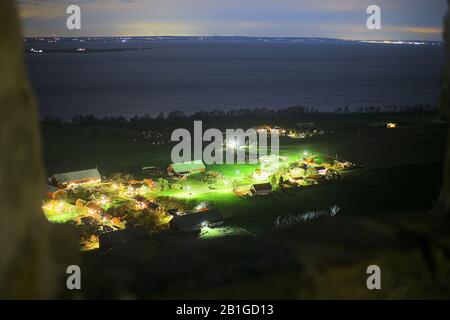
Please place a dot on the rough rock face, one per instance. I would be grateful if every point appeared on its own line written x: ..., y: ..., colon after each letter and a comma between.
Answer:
x: 445, y: 95
x: 27, y: 269
x: 444, y: 109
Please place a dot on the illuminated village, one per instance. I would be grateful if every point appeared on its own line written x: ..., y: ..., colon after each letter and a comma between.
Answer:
x: 224, y: 157
x: 113, y: 210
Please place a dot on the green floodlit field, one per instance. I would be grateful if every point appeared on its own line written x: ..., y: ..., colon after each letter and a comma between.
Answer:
x: 403, y: 171
x: 61, y: 212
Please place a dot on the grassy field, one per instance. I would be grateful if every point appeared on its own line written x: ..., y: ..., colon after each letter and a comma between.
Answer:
x: 403, y: 172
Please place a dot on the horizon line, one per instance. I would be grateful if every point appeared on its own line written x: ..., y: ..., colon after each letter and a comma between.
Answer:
x: 226, y: 36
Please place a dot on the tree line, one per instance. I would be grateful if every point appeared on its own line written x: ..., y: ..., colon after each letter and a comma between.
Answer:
x: 263, y: 112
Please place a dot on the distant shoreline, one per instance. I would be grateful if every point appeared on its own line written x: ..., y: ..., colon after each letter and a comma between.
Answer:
x: 81, y: 50
x: 225, y: 38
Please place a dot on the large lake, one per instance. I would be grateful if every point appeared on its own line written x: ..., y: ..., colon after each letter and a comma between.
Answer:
x: 191, y: 76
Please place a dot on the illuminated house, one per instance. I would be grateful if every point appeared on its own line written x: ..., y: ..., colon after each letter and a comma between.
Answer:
x: 321, y: 170
x: 195, y: 221
x: 263, y: 128
x: 64, y: 180
x: 391, y: 125
x: 269, y: 130
x: 186, y: 168
x: 261, y: 189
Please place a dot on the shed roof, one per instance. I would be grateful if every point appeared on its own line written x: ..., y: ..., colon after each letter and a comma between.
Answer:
x: 188, y: 166
x: 77, y: 175
x: 262, y: 186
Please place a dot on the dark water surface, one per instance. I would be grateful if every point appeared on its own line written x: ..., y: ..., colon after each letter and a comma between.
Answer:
x: 196, y: 75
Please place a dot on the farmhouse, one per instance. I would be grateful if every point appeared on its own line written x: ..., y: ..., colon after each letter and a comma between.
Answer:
x: 64, y: 180
x: 261, y: 189
x: 54, y: 193
x: 186, y: 168
x: 192, y: 222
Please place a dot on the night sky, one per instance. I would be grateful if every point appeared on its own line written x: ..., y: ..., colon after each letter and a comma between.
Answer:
x: 346, y: 19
